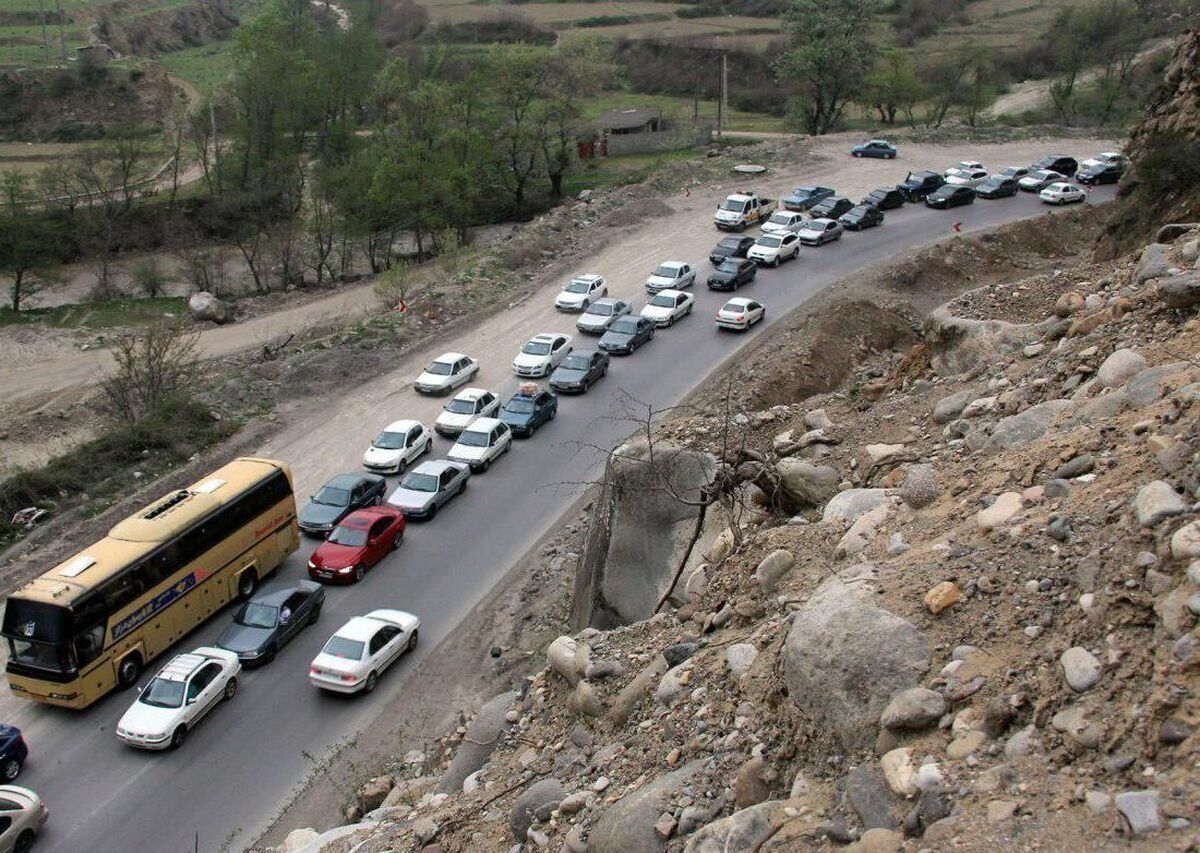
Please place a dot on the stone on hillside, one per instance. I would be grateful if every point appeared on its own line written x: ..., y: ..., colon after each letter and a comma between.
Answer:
x: 878, y: 841
x: 919, y: 487
x: 568, y: 658
x: 899, y: 771
x: 806, y: 484
x: 845, y: 657
x: 1185, y: 542
x: 1001, y: 510
x: 1026, y: 426
x: 1146, y: 387
x: 773, y: 567
x: 752, y: 784
x: 980, y: 406
x: 627, y: 826
x: 1119, y: 367
x: 941, y: 596
x: 672, y: 683
x: 1157, y: 501
x: 635, y: 691
x: 852, y: 503
x: 817, y: 419
x: 861, y: 532
x: 949, y: 408
x: 1068, y: 303
x: 745, y: 830
x: 1140, y: 810
x: 538, y: 800
x: 585, y: 700
x: 476, y: 748
x: 740, y: 657
x: 1153, y: 263
x: 373, y: 792
x: 1075, y: 467
x: 298, y: 839
x: 870, y: 797
x: 206, y: 306
x: 914, y: 708
x: 1180, y: 291
x: 882, y: 453
x: 1080, y: 668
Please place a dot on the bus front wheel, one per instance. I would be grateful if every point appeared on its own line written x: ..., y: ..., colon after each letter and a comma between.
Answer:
x: 128, y: 671
x: 247, y: 583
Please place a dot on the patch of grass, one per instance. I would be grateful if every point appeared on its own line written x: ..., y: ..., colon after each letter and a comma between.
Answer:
x: 104, y: 466
x: 681, y: 108
x: 98, y: 315
x: 206, y: 67
x: 621, y: 171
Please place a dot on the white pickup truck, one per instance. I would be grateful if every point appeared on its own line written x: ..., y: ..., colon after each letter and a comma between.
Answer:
x: 741, y: 210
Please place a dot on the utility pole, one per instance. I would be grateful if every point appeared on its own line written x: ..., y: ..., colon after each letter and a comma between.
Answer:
x: 723, y: 103
x: 62, y: 41
x: 42, y: 18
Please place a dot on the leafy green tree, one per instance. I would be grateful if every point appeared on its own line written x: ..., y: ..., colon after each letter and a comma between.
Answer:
x: 828, y: 59
x: 892, y: 86
x: 29, y: 243
x: 519, y: 77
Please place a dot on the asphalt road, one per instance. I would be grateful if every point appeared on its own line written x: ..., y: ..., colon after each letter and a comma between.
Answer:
x: 239, y: 764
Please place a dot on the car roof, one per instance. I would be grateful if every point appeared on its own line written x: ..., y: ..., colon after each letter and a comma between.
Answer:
x: 883, y: 141
x: 673, y: 264
x: 551, y: 337
x: 403, y: 425
x: 604, y: 300
x: 450, y: 356
x: 181, y: 667
x: 361, y: 628
x: 471, y: 393
x: 588, y: 276
x: 669, y: 291
x: 435, y: 466
x: 276, y: 593
x: 738, y: 300
x: 347, y: 481
x: 822, y: 219
x: 367, y: 516
x: 482, y: 425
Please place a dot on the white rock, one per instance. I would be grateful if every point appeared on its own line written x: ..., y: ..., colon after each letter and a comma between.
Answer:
x: 1004, y: 508
x: 1080, y: 668
x: 740, y: 657
x: 880, y: 453
x: 1157, y: 501
x: 1118, y: 367
x: 899, y: 771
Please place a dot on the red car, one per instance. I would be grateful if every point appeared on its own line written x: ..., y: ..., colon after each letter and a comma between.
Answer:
x: 360, y: 541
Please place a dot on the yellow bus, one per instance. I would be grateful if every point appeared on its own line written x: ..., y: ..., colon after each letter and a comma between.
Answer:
x: 91, y: 623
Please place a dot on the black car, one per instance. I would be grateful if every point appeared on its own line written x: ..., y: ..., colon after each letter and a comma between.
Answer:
x: 885, y: 198
x: 1060, y: 163
x: 997, y: 187
x: 527, y: 410
x: 13, y: 752
x: 803, y: 198
x: 863, y: 216
x: 271, y: 619
x: 337, y: 499
x: 732, y: 274
x: 875, y: 148
x: 1101, y: 173
x: 579, y: 371
x: 627, y: 334
x: 832, y: 208
x: 950, y: 195
x: 730, y: 247
x: 920, y: 184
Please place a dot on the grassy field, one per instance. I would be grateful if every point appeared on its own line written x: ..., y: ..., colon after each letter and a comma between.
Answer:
x: 681, y: 108
x: 99, y: 315
x: 206, y: 67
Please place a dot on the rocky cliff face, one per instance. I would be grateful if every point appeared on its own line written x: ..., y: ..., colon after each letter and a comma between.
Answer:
x: 974, y: 628
x: 1163, y: 184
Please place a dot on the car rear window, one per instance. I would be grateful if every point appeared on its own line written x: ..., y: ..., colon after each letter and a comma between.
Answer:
x: 346, y: 649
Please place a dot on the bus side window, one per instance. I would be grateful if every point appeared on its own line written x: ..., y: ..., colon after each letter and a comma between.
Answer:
x: 89, y: 643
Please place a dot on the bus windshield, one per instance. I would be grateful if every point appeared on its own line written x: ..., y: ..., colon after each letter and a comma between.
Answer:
x: 48, y: 656
x: 161, y: 693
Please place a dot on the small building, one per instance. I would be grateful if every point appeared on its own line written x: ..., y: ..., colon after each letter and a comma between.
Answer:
x: 96, y: 53
x: 634, y: 120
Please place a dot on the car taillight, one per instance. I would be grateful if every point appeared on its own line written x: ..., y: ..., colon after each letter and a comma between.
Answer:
x: 348, y: 679
x: 314, y: 671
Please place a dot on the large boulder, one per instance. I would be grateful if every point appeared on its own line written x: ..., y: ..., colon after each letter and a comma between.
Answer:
x: 1180, y: 291
x: 845, y: 657
x: 627, y: 826
x: 748, y: 829
x: 640, y: 531
x: 1026, y: 426
x: 806, y: 484
x: 1119, y: 367
x: 205, y: 306
x: 960, y: 344
x: 852, y: 503
x: 476, y: 748
x: 1153, y: 263
x: 1145, y: 387
x: 534, y: 805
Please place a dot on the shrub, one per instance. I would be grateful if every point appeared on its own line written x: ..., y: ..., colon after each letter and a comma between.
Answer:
x: 148, y: 277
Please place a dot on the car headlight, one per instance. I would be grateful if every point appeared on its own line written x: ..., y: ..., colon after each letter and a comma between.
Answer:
x: 311, y: 564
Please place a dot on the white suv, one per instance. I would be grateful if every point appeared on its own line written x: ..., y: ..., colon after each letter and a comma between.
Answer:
x: 581, y: 292
x: 177, y: 698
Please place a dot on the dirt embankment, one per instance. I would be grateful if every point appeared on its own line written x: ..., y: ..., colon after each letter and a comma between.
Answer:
x: 129, y: 29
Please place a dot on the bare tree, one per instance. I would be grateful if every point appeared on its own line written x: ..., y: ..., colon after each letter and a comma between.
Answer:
x: 321, y: 239
x: 152, y: 369
x: 204, y: 269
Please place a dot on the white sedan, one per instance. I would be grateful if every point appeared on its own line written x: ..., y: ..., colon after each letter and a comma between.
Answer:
x: 467, y: 405
x: 481, y: 444
x: 1062, y: 193
x: 541, y: 354
x: 667, y: 306
x: 783, y: 220
x: 447, y: 372
x: 358, y: 652
x: 774, y: 249
x: 1107, y: 158
x: 966, y: 177
x: 175, y: 700
x: 581, y: 292
x: 671, y: 275
x: 395, y: 448
x: 740, y: 313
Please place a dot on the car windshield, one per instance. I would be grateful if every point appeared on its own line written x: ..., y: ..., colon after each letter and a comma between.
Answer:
x: 780, y: 218
x: 541, y: 347
x: 1042, y: 175
x: 161, y: 693
x: 729, y: 266
x: 419, y: 482
x: 770, y: 242
x: 255, y: 615
x: 661, y: 301
x: 801, y: 192
x: 352, y: 537
x: 733, y: 307
x: 1009, y: 171
x: 857, y: 212
x: 626, y: 325
x: 390, y: 440
x: 519, y: 405
x: 330, y: 496
x: 340, y: 647
x: 813, y: 225
x: 461, y: 407
x: 438, y: 368
x: 601, y: 309
x: 735, y: 206
x: 667, y: 272
x: 578, y: 286
x: 730, y: 244
x: 471, y: 438
x: 579, y: 362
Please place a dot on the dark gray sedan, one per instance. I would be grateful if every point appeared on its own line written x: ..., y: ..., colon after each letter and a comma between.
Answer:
x: 627, y: 334
x: 267, y: 622
x: 337, y: 499
x: 579, y: 371
x: 428, y: 487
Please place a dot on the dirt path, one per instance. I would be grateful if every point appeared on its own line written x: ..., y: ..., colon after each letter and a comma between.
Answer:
x: 626, y: 261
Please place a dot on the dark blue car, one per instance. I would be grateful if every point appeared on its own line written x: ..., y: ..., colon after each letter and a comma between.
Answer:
x: 527, y: 410
x: 13, y: 752
x: 803, y: 198
x: 875, y: 148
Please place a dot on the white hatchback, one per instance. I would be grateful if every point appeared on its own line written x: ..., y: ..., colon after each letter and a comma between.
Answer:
x: 447, y: 372
x: 673, y: 275
x: 175, y: 700
x: 467, y: 405
x: 481, y: 444
x: 782, y: 221
x: 358, y: 652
